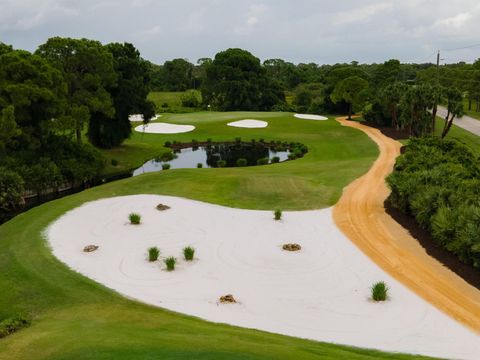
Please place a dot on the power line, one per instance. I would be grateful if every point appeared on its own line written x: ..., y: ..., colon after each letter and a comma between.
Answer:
x: 462, y: 48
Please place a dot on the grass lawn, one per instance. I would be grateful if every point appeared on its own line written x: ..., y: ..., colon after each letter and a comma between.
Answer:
x: 472, y: 113
x: 470, y: 140
x: 172, y: 99
x: 75, y: 318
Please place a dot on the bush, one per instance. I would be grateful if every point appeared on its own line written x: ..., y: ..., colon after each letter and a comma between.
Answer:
x: 11, y: 189
x: 134, y: 218
x: 199, y: 165
x: 13, y: 324
x: 262, y: 161
x: 238, y: 140
x: 114, y: 162
x: 277, y: 214
x: 166, y: 156
x: 165, y: 166
x: 170, y: 263
x: 153, y: 253
x: 191, y: 99
x: 189, y: 253
x: 221, y: 163
x: 292, y: 156
x: 241, y: 162
x: 275, y: 160
x: 379, y: 291
x: 167, y: 144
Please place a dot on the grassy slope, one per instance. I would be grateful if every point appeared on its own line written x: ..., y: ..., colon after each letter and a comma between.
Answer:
x: 75, y: 318
x: 173, y: 99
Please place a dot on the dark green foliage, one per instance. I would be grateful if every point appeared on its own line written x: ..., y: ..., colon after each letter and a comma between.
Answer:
x: 379, y: 291
x: 11, y: 189
x: 189, y: 253
x: 199, y: 165
x: 236, y: 80
x: 242, y: 162
x: 166, y: 156
x: 437, y: 182
x: 277, y: 214
x: 166, y: 166
x: 134, y: 218
x: 12, y: 324
x: 170, y: 263
x: 191, y: 99
x: 153, y: 254
x: 221, y: 163
x: 262, y: 161
x: 114, y: 162
x: 275, y: 160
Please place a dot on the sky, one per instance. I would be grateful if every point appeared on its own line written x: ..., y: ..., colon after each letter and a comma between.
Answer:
x: 324, y: 32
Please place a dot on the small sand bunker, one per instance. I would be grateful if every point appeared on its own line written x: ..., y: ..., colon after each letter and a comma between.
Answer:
x: 164, y: 128
x: 249, y: 123
x: 310, y: 117
x: 139, y: 118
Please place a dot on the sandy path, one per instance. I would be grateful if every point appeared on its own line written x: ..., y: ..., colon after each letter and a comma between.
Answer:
x: 360, y: 214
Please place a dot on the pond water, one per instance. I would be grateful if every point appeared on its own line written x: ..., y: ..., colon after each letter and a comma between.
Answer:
x: 189, y: 158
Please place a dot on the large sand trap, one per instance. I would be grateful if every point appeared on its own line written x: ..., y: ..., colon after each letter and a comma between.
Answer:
x: 249, y: 123
x: 319, y: 293
x: 360, y: 213
x: 310, y: 117
x: 139, y: 117
x: 164, y: 128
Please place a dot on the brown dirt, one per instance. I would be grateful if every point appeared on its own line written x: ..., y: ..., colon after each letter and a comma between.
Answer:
x: 291, y: 247
x: 361, y: 215
x: 227, y: 299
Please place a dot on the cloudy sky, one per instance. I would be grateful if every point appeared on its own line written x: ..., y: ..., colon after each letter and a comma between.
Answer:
x: 296, y: 30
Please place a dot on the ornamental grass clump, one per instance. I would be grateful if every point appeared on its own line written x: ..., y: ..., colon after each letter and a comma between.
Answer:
x: 277, y: 214
x: 170, y: 263
x: 379, y: 291
x: 189, y: 253
x: 134, y: 218
x: 153, y: 253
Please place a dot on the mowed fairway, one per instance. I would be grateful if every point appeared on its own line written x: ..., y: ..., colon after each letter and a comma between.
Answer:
x: 75, y: 318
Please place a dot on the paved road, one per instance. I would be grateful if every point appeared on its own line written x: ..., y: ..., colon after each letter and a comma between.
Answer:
x: 466, y: 122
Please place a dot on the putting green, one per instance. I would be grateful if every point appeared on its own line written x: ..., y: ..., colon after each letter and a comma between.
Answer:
x: 75, y: 318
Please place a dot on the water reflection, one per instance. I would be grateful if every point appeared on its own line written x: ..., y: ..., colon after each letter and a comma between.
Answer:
x: 209, y: 156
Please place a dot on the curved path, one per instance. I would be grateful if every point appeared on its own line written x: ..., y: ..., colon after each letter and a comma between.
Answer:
x: 361, y: 215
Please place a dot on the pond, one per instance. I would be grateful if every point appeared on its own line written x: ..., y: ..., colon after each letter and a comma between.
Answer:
x: 210, y: 155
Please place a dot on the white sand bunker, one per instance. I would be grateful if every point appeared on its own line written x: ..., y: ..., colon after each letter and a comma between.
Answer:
x: 139, y: 117
x: 164, y: 128
x: 320, y: 292
x: 249, y: 123
x: 310, y: 117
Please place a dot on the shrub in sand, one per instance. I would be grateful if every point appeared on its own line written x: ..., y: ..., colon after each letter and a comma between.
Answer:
x: 379, y: 291
x: 134, y: 218
x: 277, y: 214
x: 241, y: 162
x: 227, y: 299
x: 165, y: 166
x: 170, y: 263
x: 189, y: 253
x: 153, y: 253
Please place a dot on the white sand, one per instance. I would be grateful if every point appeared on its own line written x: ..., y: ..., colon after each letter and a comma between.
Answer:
x: 310, y: 117
x: 249, y: 123
x: 164, y: 128
x: 139, y: 117
x: 319, y: 293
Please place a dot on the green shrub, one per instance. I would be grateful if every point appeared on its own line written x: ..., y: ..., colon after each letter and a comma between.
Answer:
x: 199, y: 165
x: 166, y: 156
x: 134, y: 218
x: 292, y: 156
x: 238, y: 140
x: 165, y: 166
x: 167, y: 144
x: 275, y: 160
x: 262, y: 161
x: 241, y: 162
x: 170, y: 263
x: 153, y: 253
x: 189, y: 253
x: 277, y: 214
x: 379, y: 291
x: 114, y: 162
x: 191, y: 99
x: 221, y: 163
x: 12, y: 324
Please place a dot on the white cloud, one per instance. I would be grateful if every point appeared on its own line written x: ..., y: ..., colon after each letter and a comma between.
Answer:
x: 253, y: 18
x: 361, y: 14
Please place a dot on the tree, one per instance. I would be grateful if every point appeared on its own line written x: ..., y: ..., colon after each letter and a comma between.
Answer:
x: 350, y: 91
x: 11, y: 189
x: 8, y: 127
x: 129, y: 96
x: 236, y: 80
x: 178, y: 75
x: 391, y: 95
x: 88, y: 70
x: 454, y: 108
